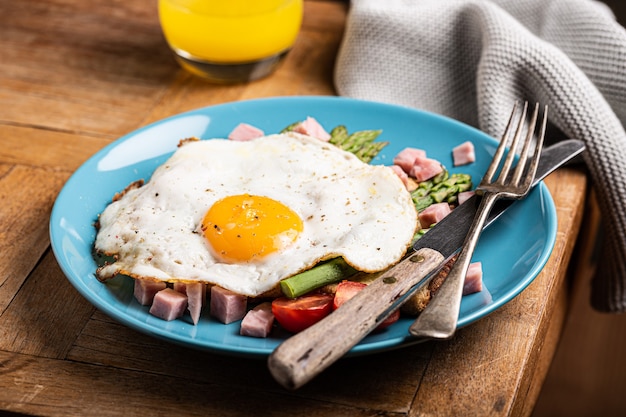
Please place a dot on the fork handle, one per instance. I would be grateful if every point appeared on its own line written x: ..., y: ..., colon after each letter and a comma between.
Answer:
x: 440, y: 317
x: 306, y: 354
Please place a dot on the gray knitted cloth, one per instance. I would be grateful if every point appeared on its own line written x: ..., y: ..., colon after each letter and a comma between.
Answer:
x: 471, y: 59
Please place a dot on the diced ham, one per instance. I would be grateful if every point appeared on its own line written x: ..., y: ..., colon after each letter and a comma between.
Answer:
x: 425, y: 168
x: 463, y: 154
x: 168, y: 304
x: 258, y: 322
x: 433, y: 214
x: 311, y: 127
x: 196, y: 298
x: 473, y: 279
x: 244, y: 132
x: 145, y: 290
x: 406, y: 158
x: 463, y: 196
x: 409, y: 183
x: 227, y: 306
x: 401, y: 174
x: 181, y: 287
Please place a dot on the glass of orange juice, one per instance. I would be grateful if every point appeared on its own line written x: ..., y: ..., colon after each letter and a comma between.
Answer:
x: 230, y: 40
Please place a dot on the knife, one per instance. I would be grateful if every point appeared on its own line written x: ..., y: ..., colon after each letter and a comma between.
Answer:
x: 304, y: 355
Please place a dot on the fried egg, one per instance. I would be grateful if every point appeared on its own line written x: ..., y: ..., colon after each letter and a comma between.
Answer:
x: 245, y: 215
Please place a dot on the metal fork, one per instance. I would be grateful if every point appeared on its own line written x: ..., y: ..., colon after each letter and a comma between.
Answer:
x: 439, y: 318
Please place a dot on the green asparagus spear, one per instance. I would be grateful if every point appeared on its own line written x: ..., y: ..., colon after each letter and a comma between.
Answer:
x: 369, y: 152
x: 444, y: 187
x: 338, y: 135
x: 322, y: 274
x: 290, y: 127
x: 359, y: 140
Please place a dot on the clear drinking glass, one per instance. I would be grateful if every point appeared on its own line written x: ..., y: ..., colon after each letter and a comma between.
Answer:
x: 230, y: 40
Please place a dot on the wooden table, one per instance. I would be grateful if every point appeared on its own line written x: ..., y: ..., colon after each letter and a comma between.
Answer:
x: 76, y: 75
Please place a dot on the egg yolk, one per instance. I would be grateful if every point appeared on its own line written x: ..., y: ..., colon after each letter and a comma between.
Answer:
x: 249, y: 227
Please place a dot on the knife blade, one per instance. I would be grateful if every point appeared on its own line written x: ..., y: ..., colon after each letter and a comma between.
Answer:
x: 304, y: 355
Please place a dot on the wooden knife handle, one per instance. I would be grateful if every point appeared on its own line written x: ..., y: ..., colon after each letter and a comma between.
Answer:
x: 301, y: 357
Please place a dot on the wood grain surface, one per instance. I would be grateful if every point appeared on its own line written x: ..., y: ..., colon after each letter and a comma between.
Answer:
x: 76, y: 75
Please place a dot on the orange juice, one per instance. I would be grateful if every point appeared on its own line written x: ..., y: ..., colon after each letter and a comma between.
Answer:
x: 226, y: 32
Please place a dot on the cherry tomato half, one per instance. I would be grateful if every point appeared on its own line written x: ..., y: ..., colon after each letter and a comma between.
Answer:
x: 345, y: 291
x: 299, y: 313
x: 348, y: 289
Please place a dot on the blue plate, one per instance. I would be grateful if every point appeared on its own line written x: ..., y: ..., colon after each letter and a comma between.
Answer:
x: 513, y: 250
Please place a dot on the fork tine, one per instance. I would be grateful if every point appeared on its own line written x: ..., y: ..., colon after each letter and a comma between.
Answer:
x: 497, y: 157
x: 534, y: 163
x: 508, y: 162
x: 521, y: 162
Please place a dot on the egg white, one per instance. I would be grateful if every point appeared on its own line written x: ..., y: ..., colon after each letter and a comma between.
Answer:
x: 349, y: 208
